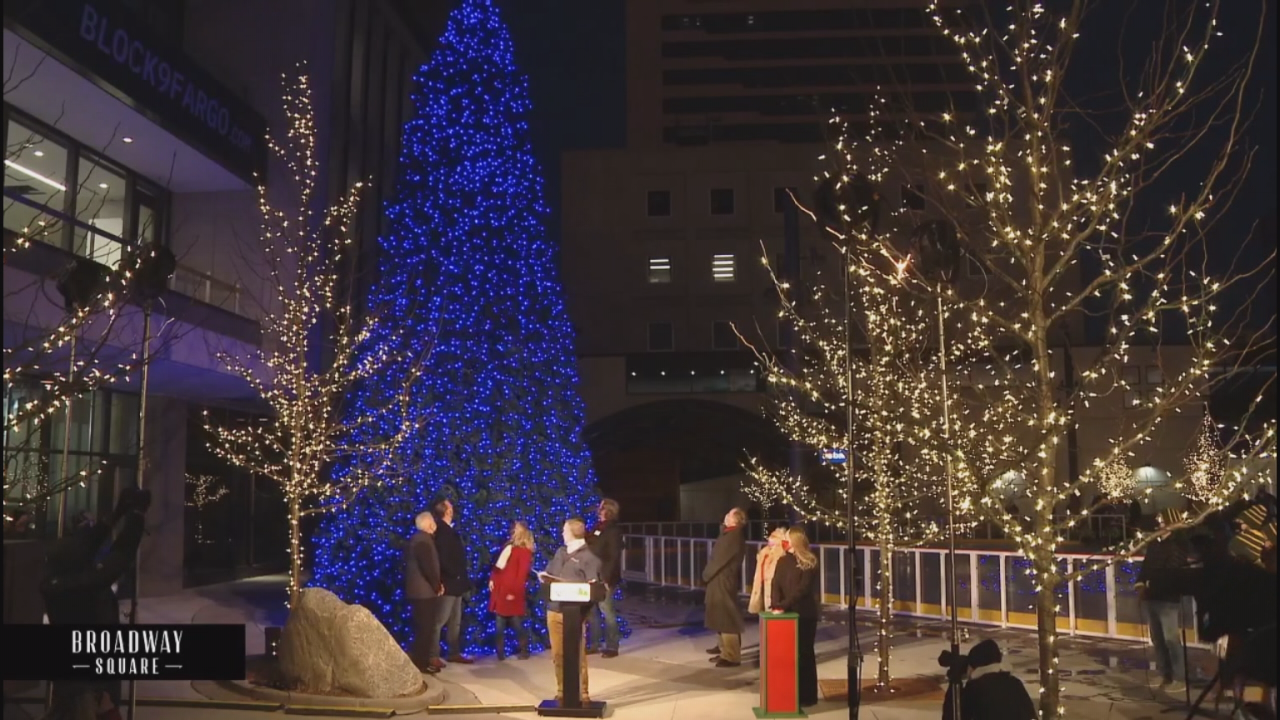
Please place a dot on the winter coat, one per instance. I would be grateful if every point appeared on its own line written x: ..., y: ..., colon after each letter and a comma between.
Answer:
x: 796, y: 590
x: 453, y: 560
x: 762, y: 585
x: 421, y: 568
x: 1163, y: 568
x: 722, y: 576
x: 579, y: 566
x: 992, y: 692
x: 510, y: 580
x: 606, y: 543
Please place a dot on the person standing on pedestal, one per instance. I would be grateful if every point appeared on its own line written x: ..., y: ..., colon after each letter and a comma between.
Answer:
x: 573, y: 563
x: 423, y: 589
x: 723, y: 578
x: 507, y: 583
x: 796, y: 590
x: 457, y: 582
x: 605, y: 542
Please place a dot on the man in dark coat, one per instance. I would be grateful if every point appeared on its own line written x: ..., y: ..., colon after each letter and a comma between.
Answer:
x: 605, y: 542
x: 457, y: 581
x: 1164, y: 564
x: 723, y: 577
x: 991, y: 691
x: 423, y: 589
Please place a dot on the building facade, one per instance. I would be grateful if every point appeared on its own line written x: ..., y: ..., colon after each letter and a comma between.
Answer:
x: 132, y: 121
x: 663, y: 239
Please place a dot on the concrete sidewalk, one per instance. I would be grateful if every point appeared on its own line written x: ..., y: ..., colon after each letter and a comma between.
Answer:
x: 663, y: 672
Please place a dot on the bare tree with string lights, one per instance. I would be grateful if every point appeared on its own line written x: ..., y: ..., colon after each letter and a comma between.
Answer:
x: 313, y: 445
x: 866, y: 346
x: 1057, y: 249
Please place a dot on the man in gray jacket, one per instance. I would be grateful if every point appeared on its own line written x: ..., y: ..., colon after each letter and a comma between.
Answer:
x: 572, y: 563
x: 423, y: 588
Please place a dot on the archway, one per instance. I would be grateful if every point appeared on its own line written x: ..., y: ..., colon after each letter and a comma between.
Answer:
x: 644, y: 454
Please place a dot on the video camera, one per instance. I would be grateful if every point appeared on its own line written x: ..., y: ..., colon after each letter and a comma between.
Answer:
x: 957, y: 665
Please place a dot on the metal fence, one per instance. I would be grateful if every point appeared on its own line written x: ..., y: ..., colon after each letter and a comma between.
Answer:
x: 1101, y: 528
x: 994, y: 587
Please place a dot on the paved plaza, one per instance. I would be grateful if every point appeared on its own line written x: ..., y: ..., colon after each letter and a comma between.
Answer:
x: 663, y: 673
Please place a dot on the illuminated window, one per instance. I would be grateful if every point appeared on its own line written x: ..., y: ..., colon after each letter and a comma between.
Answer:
x: 659, y: 270
x: 724, y: 268
x: 1154, y: 375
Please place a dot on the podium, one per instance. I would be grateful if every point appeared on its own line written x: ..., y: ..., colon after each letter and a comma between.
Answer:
x: 779, y: 666
x: 574, y: 599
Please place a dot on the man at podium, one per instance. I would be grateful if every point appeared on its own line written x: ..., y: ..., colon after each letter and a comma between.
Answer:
x: 576, y: 564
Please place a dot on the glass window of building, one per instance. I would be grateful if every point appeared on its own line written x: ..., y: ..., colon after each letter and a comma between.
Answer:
x: 723, y: 336
x: 658, y: 203
x: 100, y: 204
x: 35, y: 177
x: 722, y: 201
x: 661, y: 336
x: 913, y: 197
x: 724, y: 268
x: 782, y: 199
x: 659, y: 270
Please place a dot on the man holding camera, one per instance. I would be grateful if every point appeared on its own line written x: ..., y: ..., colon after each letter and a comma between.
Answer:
x: 77, y: 590
x: 989, y: 689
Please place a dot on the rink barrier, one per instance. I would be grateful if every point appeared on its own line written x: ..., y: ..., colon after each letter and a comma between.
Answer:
x: 479, y: 709
x: 1103, y: 603
x: 338, y: 711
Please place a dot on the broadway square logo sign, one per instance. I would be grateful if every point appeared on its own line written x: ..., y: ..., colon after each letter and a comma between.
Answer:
x: 125, y: 652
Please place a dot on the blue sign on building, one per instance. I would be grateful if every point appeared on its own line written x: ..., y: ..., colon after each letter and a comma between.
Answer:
x: 835, y: 456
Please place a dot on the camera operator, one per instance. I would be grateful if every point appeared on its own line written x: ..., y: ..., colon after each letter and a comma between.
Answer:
x: 989, y: 689
x: 1159, y: 586
x: 77, y: 590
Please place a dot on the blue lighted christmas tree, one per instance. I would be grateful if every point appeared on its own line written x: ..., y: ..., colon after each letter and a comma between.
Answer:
x: 468, y: 267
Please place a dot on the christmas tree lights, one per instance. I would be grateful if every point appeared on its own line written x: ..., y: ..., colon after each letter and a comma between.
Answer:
x: 205, y: 490
x: 498, y: 406
x: 320, y: 453
x: 1055, y: 246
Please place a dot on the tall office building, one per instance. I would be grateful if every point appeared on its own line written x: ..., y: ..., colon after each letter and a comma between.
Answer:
x: 728, y: 103
x: 769, y: 71
x: 130, y: 121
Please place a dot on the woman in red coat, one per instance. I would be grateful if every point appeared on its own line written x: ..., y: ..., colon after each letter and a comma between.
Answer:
x: 506, y: 589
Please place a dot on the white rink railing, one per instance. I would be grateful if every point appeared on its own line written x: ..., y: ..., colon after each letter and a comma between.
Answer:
x: 993, y: 585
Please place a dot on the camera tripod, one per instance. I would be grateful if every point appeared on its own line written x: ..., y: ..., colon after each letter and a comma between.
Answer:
x: 1234, y: 664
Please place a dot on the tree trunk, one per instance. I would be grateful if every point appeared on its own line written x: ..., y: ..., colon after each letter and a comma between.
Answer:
x: 884, y: 635
x: 1047, y: 630
x: 295, y: 550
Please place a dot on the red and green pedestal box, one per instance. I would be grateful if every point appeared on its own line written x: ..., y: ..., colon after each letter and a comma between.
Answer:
x: 779, y: 666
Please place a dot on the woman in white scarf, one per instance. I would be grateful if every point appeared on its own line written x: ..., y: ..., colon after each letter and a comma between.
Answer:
x: 766, y: 561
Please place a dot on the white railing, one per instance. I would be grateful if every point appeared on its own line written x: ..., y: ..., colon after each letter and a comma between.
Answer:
x: 993, y: 586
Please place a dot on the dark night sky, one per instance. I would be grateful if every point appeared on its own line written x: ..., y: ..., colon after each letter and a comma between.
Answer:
x: 574, y: 54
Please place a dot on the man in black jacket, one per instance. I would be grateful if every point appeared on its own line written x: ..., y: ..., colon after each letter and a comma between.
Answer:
x: 77, y: 589
x: 605, y: 542
x: 457, y: 581
x: 991, y: 690
x: 1164, y: 563
x: 423, y: 589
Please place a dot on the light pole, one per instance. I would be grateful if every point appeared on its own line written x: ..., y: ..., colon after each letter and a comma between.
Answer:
x: 935, y: 247
x: 854, y: 670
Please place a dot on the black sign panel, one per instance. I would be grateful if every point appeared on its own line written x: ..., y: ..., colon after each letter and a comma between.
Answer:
x: 124, y: 652
x: 105, y: 42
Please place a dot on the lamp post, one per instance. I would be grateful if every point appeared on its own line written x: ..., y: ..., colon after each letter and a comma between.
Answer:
x: 935, y: 248
x: 854, y: 670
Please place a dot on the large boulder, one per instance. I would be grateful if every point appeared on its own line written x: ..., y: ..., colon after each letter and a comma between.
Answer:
x: 330, y: 647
